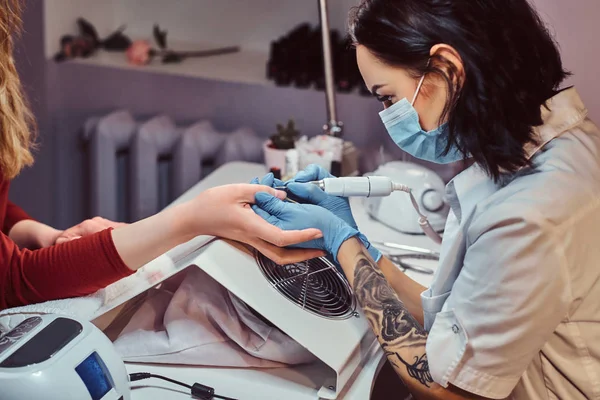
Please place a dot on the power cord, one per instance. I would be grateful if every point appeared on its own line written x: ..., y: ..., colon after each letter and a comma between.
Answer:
x: 198, y: 390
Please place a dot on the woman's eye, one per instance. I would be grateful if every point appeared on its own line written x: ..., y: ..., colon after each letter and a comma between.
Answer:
x: 384, y: 99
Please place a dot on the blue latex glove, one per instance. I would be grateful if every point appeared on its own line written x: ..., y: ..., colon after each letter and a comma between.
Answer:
x: 338, y: 205
x: 268, y: 180
x: 291, y: 216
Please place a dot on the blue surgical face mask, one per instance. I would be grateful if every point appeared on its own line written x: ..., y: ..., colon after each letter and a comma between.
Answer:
x: 402, y: 123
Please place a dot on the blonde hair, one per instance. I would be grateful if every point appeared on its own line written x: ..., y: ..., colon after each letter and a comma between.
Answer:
x: 17, y: 124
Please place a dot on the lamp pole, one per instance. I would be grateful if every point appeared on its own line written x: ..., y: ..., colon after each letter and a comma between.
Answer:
x: 333, y: 126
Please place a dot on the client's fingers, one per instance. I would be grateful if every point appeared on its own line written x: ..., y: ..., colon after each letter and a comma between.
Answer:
x: 64, y: 239
x: 285, y: 256
x: 87, y: 227
x: 247, y: 192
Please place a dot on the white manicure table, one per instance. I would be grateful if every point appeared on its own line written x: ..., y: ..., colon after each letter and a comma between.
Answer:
x: 292, y: 383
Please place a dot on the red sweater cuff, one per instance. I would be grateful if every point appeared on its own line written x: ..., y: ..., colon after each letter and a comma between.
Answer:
x: 76, y: 268
x: 112, y: 255
x: 13, y: 215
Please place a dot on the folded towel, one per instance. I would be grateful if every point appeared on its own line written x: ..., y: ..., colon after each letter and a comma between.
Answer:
x: 92, y: 306
x: 192, y: 319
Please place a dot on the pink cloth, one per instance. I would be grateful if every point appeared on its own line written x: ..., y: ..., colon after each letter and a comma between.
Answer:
x: 192, y: 319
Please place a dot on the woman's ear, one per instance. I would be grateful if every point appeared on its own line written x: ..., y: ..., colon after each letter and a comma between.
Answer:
x: 447, y: 58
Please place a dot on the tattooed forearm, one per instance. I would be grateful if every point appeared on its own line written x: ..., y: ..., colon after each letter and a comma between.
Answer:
x: 418, y: 370
x: 399, y: 333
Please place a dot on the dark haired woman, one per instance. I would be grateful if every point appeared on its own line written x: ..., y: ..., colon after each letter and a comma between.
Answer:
x: 513, y: 307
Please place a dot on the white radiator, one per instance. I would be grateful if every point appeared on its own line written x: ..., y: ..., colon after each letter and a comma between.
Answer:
x: 136, y: 167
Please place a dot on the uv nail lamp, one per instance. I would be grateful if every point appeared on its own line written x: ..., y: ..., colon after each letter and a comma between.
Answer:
x: 58, y: 358
x: 397, y: 212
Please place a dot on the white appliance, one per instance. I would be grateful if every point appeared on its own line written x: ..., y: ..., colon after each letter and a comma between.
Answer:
x: 58, y: 358
x: 397, y: 211
x: 334, y: 329
x: 311, y: 302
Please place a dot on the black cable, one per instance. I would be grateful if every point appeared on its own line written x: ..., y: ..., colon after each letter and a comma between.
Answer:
x: 145, y: 375
x: 216, y: 396
x: 198, y: 390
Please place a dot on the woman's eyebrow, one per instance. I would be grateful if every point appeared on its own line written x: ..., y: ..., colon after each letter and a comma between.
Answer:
x: 375, y: 88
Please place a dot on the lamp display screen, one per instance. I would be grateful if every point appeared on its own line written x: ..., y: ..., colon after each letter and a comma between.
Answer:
x: 41, y: 346
x: 95, y: 376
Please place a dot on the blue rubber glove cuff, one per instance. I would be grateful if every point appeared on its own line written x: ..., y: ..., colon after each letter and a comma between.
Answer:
x: 339, y: 238
x: 373, y: 252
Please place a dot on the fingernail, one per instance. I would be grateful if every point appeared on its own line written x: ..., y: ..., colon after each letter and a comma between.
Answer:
x: 319, y: 235
x: 280, y: 194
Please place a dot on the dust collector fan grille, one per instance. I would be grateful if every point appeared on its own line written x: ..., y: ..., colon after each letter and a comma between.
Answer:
x: 315, y: 286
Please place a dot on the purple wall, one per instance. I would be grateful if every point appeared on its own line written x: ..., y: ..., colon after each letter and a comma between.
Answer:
x: 575, y: 25
x: 34, y: 188
x: 88, y: 90
x: 63, y: 96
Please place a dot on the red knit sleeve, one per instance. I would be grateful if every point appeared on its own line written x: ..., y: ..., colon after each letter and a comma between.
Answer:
x: 76, y: 268
x: 13, y: 215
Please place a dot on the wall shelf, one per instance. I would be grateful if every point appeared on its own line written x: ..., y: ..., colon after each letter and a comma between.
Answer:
x: 245, y: 66
x: 251, y: 25
x: 192, y: 25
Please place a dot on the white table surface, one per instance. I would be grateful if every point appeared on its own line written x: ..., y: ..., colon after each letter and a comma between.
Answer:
x: 277, y: 384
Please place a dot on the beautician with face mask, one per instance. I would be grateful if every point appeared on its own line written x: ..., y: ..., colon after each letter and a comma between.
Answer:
x: 513, y: 308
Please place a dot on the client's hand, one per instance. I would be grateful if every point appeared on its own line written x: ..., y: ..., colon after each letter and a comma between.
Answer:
x: 87, y: 227
x: 225, y: 211
x: 337, y: 205
x: 291, y: 216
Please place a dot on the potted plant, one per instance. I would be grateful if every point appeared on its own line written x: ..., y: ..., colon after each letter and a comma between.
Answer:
x: 277, y: 147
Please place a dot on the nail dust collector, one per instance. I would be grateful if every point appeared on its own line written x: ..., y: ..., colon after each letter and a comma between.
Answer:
x: 310, y: 301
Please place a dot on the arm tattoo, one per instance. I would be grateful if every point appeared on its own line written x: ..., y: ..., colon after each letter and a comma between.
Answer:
x: 400, y: 335
x: 418, y: 370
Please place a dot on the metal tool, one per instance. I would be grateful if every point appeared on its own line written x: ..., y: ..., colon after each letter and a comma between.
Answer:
x: 290, y: 196
x: 403, y: 247
x: 399, y: 260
